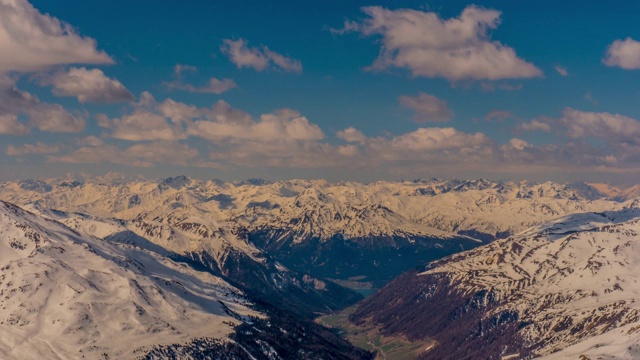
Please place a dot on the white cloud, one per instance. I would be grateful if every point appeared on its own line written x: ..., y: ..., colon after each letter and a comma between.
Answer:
x: 140, y: 155
x: 54, y: 118
x: 90, y: 141
x: 257, y: 58
x: 44, y: 116
x: 535, y: 125
x: 561, y: 70
x: 282, y: 138
x: 31, y: 41
x: 37, y: 148
x: 178, y: 112
x: 597, y: 141
x: 518, y: 144
x: 623, y: 53
x: 427, y: 108
x: 171, y: 120
x: 456, y: 49
x: 281, y: 125
x: 352, y: 135
x: 145, y: 123
x: 10, y: 125
x: 243, y: 56
x: 214, y: 86
x: 615, y: 129
x: 88, y: 86
x: 283, y: 62
x: 286, y: 139
x: 435, y: 139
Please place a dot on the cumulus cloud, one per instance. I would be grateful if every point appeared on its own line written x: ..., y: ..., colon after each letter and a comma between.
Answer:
x: 257, y: 58
x: 88, y: 86
x: 284, y: 136
x: 286, y: 139
x: 142, y: 125
x: 456, y: 49
x: 55, y: 118
x: 282, y: 125
x: 15, y: 103
x: 37, y: 148
x: 140, y: 155
x: 518, y: 144
x: 561, y: 70
x: 214, y: 86
x: 427, y: 108
x: 615, y: 129
x: 90, y: 140
x: 32, y: 41
x: 351, y: 135
x: 435, y: 139
x: 145, y: 123
x: 535, y: 125
x: 623, y: 53
x: 9, y: 125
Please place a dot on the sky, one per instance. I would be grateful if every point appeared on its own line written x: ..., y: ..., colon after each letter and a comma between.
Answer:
x: 342, y: 90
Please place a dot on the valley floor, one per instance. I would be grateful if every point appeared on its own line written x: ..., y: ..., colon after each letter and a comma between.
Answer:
x: 370, y: 338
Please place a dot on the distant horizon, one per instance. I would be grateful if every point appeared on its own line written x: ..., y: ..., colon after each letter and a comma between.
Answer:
x: 132, y: 177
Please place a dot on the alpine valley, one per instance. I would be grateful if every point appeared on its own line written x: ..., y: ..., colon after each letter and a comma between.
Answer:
x: 188, y: 268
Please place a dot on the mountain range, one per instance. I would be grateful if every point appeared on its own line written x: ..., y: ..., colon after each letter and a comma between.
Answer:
x: 66, y: 295
x: 499, y: 268
x: 566, y: 289
x: 315, y: 227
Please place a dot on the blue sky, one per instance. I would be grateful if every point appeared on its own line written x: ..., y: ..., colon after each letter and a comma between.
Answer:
x: 345, y: 90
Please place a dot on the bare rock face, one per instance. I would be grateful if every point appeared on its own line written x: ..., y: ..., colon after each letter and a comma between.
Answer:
x: 548, y: 291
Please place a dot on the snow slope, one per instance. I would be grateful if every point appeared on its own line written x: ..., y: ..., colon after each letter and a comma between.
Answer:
x: 65, y: 296
x: 571, y: 284
x: 319, y: 209
x: 222, y: 250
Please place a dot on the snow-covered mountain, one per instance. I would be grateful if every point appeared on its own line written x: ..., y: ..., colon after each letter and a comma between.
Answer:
x: 340, y: 230
x: 564, y: 289
x: 67, y: 295
x: 222, y: 251
x: 317, y: 208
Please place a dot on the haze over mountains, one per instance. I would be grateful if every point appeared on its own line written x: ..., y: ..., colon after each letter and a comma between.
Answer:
x: 288, y: 251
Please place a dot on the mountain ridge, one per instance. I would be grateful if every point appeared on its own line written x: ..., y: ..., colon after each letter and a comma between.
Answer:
x: 320, y: 228
x: 535, y: 294
x: 68, y: 295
